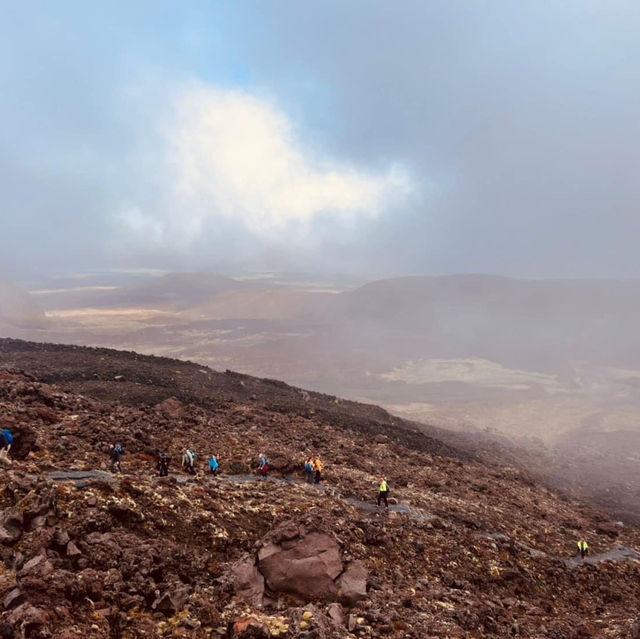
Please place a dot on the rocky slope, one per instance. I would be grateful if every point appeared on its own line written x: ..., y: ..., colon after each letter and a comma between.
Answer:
x: 466, y: 550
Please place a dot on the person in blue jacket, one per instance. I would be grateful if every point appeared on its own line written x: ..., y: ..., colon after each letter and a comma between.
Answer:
x: 308, y: 470
x: 214, y: 465
x: 6, y: 439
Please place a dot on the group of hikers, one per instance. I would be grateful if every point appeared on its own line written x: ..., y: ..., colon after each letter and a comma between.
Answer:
x: 313, y: 468
x: 116, y: 451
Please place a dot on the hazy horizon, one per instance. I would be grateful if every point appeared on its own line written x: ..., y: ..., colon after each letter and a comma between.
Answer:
x: 123, y: 277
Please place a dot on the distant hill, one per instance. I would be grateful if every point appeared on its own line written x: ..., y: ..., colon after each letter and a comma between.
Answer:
x: 180, y: 290
x: 533, y: 325
x: 175, y: 291
x: 269, y: 304
x: 540, y: 325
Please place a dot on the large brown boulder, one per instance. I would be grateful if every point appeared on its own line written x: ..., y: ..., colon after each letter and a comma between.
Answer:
x: 352, y: 584
x: 248, y: 583
x: 306, y: 567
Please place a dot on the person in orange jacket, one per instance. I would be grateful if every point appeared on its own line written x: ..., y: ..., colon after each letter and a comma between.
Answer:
x: 318, y: 467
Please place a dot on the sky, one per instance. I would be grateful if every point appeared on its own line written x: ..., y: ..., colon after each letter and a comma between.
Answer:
x: 364, y: 137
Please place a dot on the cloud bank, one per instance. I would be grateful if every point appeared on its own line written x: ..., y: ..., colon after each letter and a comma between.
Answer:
x: 386, y: 138
x: 232, y: 156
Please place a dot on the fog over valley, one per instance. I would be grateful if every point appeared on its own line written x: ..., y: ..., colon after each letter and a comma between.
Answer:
x: 551, y: 365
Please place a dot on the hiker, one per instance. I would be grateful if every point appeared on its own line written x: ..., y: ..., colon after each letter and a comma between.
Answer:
x: 6, y: 439
x: 308, y: 470
x: 583, y: 547
x: 263, y: 469
x: 318, y: 467
x: 188, y: 462
x: 214, y: 464
x: 115, y: 455
x: 163, y: 465
x: 383, y: 492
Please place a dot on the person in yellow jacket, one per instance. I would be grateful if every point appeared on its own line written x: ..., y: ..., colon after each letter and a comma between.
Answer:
x: 318, y: 467
x: 383, y: 492
x: 583, y: 547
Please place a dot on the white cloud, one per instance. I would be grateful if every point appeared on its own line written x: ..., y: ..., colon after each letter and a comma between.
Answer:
x: 234, y: 156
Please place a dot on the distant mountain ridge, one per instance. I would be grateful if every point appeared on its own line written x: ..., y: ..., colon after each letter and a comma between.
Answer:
x: 538, y: 324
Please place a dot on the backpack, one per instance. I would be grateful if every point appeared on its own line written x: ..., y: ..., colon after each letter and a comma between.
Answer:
x: 8, y: 435
x: 119, y: 450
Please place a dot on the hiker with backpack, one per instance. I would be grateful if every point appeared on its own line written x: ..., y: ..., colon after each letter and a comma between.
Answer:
x: 6, y: 439
x: 188, y: 462
x: 583, y: 548
x: 115, y: 455
x: 163, y: 465
x: 263, y: 468
x: 383, y: 492
x: 308, y: 470
x: 318, y: 467
x: 214, y: 465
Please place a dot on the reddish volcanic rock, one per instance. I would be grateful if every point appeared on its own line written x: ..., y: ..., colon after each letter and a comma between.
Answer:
x: 307, y: 567
x: 467, y: 549
x: 352, y: 584
x: 248, y: 582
